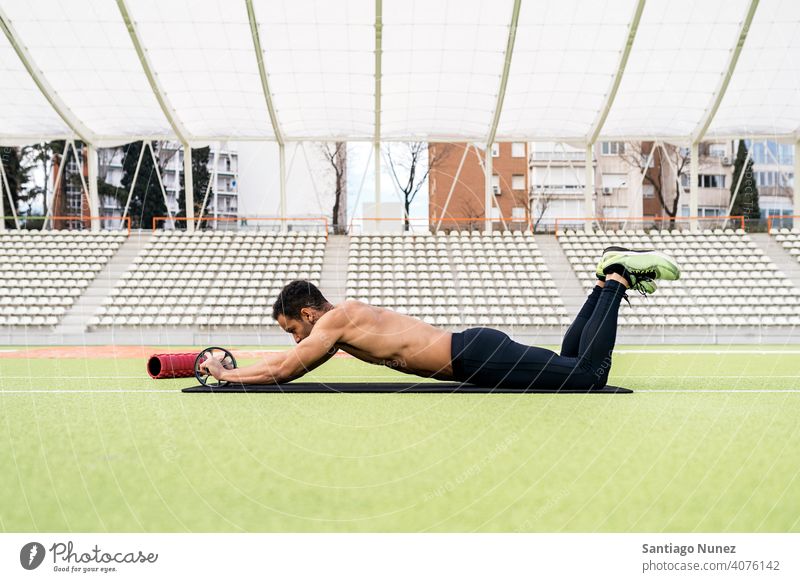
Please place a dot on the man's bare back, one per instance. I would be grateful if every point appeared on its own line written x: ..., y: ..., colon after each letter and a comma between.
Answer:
x: 371, y: 334
x: 384, y: 337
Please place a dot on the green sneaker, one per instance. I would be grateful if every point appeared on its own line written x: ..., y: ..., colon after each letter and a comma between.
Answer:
x: 642, y: 267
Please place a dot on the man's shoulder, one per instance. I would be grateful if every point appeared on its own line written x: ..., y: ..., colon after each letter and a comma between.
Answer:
x: 344, y: 312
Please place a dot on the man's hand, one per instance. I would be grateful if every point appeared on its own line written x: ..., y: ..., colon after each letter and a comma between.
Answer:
x: 213, y: 366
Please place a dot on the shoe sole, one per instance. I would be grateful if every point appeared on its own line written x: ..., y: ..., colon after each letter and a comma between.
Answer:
x: 664, y: 265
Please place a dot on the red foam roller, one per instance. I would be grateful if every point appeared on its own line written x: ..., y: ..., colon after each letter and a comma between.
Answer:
x: 161, y: 366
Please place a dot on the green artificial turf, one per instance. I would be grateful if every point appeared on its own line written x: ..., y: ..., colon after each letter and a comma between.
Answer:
x: 77, y: 459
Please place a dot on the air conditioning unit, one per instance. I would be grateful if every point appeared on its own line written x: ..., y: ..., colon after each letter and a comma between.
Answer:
x: 726, y: 160
x: 607, y: 191
x: 496, y: 190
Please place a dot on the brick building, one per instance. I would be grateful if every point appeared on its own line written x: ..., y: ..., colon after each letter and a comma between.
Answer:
x: 509, y: 183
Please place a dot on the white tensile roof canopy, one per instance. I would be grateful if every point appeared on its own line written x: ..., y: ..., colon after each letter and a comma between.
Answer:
x: 198, y: 71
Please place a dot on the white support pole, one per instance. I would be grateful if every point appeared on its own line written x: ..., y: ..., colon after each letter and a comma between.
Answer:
x: 452, y: 187
x: 694, y: 172
x: 796, y: 186
x: 282, y: 156
x: 133, y: 183
x: 736, y: 189
x: 94, y: 197
x: 84, y: 186
x: 2, y: 194
x: 160, y: 182
x: 488, y: 190
x: 377, y: 107
x: 188, y: 186
x: 376, y: 154
x: 57, y: 182
x: 212, y: 181
x: 588, y: 187
x: 358, y: 194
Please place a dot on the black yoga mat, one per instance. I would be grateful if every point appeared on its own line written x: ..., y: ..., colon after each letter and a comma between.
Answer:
x: 389, y: 388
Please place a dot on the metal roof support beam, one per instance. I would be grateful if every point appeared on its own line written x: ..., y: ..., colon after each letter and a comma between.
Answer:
x: 212, y: 180
x: 56, y: 183
x: 94, y: 197
x: 588, y: 187
x: 633, y: 27
x: 705, y: 122
x: 282, y: 164
x: 160, y: 182
x: 501, y: 93
x: 273, y: 117
x: 736, y: 189
x: 796, y: 185
x: 262, y: 71
x: 133, y: 183
x: 188, y: 186
x: 694, y: 181
x: 378, y: 79
x: 84, y: 186
x: 452, y: 187
x: 166, y: 108
x: 488, y: 173
x: 64, y: 112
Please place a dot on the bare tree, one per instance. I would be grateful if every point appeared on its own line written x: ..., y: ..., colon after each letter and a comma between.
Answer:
x: 664, y: 159
x: 541, y: 204
x: 409, y: 170
x: 336, y: 154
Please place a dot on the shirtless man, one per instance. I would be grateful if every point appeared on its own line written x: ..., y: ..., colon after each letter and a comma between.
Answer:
x: 481, y: 356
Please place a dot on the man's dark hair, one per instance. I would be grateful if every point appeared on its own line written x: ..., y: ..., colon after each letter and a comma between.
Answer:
x: 296, y: 295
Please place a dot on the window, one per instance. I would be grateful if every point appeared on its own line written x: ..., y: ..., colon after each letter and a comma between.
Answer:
x: 518, y: 149
x: 717, y: 150
x: 685, y: 181
x: 645, y: 158
x: 615, y: 181
x: 648, y: 191
x: 518, y: 213
x: 496, y: 185
x: 773, y: 178
x: 612, y: 148
x: 711, y: 180
x: 495, y: 150
x: 518, y: 182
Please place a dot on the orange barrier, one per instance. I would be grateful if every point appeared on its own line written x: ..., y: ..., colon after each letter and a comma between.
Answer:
x: 434, y: 226
x: 244, y: 221
x: 773, y: 218
x: 125, y: 219
x: 653, y: 219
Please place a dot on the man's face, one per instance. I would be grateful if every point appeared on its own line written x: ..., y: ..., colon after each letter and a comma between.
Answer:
x: 299, y: 328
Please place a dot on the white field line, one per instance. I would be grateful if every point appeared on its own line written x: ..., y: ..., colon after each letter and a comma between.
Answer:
x: 713, y: 352
x: 178, y: 391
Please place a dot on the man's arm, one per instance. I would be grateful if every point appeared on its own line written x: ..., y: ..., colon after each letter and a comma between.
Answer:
x: 280, y: 367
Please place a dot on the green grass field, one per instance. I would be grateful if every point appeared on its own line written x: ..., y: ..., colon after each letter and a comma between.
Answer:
x: 698, y: 448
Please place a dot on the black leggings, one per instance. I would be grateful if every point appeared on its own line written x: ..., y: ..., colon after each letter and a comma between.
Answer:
x: 488, y: 357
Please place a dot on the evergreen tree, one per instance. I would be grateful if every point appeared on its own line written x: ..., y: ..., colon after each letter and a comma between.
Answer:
x: 200, y: 179
x: 746, y: 203
x: 147, y: 200
x: 17, y: 175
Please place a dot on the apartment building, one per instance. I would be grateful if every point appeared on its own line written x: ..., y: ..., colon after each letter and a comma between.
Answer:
x: 456, y: 183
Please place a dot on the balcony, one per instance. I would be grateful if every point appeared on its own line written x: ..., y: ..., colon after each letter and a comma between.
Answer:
x: 557, y: 156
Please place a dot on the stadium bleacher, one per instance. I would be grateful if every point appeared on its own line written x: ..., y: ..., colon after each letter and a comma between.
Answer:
x: 716, y: 285
x: 210, y: 278
x: 789, y: 238
x: 457, y: 279
x: 44, y: 272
